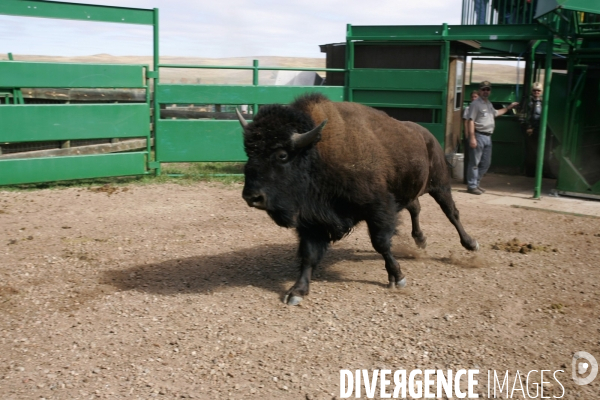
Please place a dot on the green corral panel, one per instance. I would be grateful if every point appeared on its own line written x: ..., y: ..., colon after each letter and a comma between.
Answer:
x: 508, y: 144
x: 83, y: 12
x: 54, y: 75
x: 453, y: 32
x: 406, y: 98
x: 571, y: 180
x: 193, y: 140
x: 546, y: 6
x: 392, y: 32
x: 32, y: 170
x: 64, y: 122
x: 580, y: 162
x: 32, y: 123
x: 398, y: 79
x: 557, y: 108
x: 233, y: 94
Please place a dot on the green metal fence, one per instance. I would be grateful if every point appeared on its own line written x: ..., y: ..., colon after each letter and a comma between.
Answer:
x: 64, y: 122
x: 219, y: 140
x: 399, y: 86
x: 410, y: 87
x: 575, y: 122
x: 175, y: 140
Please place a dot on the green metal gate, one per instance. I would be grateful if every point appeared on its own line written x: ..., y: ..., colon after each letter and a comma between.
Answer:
x: 399, y: 86
x: 571, y: 28
x: 175, y: 140
x: 182, y: 140
x: 20, y: 123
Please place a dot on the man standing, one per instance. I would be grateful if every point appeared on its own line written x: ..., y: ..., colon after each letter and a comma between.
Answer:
x: 535, y: 108
x: 481, y: 123
x: 534, y: 113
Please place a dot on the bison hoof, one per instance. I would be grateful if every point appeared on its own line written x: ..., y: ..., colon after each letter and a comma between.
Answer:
x: 400, y: 284
x: 421, y: 243
x: 292, y: 300
x: 472, y: 245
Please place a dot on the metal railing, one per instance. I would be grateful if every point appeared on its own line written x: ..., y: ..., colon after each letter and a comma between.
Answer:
x: 219, y: 139
x: 255, y: 68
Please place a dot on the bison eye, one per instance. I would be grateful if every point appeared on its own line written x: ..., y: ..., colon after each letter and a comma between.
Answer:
x: 281, y: 155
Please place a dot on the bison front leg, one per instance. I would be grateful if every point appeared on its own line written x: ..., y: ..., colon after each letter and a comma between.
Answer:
x: 311, y: 251
x: 414, y: 208
x: 382, y: 227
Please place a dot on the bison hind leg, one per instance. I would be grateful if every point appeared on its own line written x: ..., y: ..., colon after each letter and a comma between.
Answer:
x: 443, y: 196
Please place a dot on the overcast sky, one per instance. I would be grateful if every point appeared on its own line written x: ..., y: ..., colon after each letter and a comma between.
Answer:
x: 232, y: 28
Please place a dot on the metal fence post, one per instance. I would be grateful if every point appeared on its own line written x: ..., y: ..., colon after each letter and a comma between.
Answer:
x: 156, y: 117
x: 544, y: 119
x: 255, y: 81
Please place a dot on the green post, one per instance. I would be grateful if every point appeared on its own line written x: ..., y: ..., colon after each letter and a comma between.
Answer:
x: 349, y: 62
x: 446, y: 68
x: 544, y: 119
x: 17, y: 93
x: 255, y: 83
x: 530, y: 64
x: 156, y: 61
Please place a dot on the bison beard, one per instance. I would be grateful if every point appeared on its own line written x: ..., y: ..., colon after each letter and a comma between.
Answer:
x: 322, y: 167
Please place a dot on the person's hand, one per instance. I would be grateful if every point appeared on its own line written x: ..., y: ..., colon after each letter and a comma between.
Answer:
x: 473, y: 142
x: 513, y: 105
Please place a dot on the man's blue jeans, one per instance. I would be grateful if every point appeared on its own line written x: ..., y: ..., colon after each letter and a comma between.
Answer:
x: 480, y: 159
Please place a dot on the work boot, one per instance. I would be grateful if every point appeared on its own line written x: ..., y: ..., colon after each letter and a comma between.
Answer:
x: 481, y: 189
x: 474, y: 191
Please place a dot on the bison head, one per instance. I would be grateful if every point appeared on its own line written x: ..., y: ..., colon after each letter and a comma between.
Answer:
x: 279, y: 143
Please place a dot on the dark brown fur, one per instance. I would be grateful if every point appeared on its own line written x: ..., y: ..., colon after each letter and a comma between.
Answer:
x: 364, y: 166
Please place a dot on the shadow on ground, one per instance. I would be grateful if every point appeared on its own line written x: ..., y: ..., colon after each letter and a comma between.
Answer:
x: 270, y: 267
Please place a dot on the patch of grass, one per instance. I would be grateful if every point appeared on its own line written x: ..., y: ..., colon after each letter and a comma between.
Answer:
x: 182, y: 173
x: 219, y: 172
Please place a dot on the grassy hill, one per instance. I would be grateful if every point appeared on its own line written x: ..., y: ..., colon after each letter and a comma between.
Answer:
x: 496, y: 73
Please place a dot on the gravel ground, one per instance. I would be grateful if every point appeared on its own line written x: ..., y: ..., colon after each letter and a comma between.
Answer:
x: 173, y: 291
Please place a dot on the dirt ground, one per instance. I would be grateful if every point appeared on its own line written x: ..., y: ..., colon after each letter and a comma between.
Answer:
x: 174, y: 291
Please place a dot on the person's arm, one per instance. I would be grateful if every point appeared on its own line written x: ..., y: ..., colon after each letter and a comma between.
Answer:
x: 503, y: 111
x: 470, y: 125
x: 471, y: 131
x: 466, y: 124
x: 465, y: 117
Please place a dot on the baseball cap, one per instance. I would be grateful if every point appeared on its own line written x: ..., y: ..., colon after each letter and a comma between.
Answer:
x: 485, y: 84
x: 537, y: 86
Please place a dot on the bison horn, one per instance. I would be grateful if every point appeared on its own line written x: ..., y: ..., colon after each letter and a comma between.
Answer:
x: 241, y: 118
x: 304, y: 139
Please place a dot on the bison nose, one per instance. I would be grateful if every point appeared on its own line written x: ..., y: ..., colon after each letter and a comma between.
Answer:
x: 257, y: 199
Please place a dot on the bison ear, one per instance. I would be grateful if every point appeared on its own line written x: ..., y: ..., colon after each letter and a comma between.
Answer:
x: 241, y: 118
x: 300, y: 140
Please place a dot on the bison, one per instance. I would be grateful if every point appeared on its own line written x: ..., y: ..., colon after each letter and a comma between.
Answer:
x: 321, y: 167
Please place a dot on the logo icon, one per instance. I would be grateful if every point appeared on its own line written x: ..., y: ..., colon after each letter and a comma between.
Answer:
x: 584, y: 363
